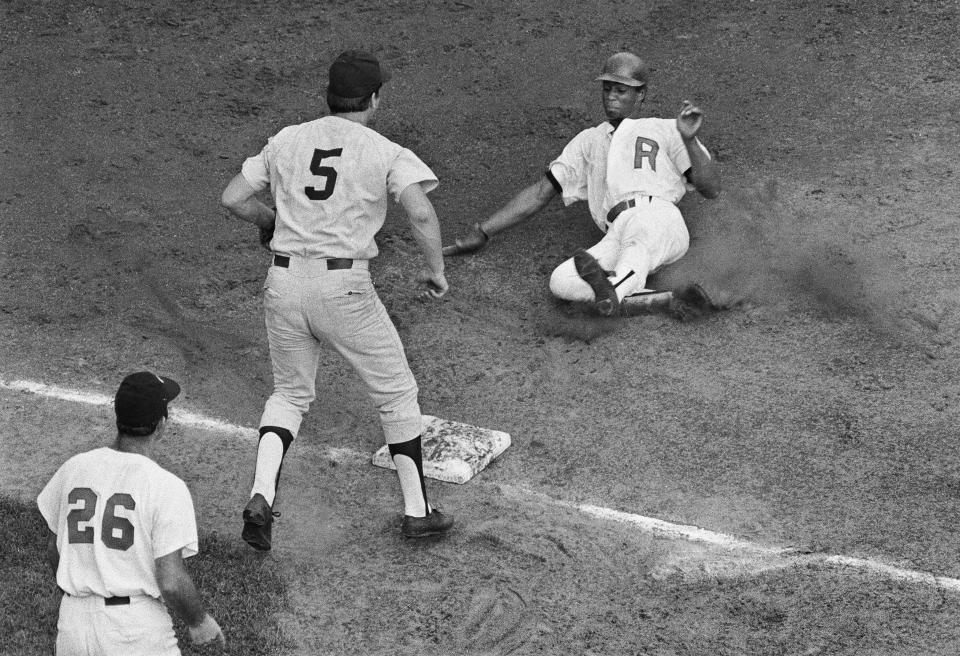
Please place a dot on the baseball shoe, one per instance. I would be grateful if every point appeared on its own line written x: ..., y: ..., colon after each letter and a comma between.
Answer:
x: 593, y: 274
x: 258, y: 523
x: 690, y: 302
x: 420, y: 527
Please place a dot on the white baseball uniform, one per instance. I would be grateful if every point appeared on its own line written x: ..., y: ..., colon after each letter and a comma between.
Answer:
x: 330, y: 179
x: 114, y: 514
x: 643, y: 160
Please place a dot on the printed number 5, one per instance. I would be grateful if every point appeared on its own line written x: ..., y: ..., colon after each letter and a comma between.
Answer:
x: 327, y: 172
x: 115, y: 532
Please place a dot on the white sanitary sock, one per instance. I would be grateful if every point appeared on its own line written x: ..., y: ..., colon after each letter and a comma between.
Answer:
x: 269, y: 459
x: 411, y: 486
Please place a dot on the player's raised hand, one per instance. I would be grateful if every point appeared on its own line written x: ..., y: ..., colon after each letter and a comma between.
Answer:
x: 436, y: 284
x: 689, y: 120
x: 469, y: 243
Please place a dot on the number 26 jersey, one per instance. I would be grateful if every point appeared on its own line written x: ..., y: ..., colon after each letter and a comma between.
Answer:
x: 114, y: 513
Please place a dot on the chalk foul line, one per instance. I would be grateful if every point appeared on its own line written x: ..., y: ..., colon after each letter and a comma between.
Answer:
x: 791, y: 555
x: 649, y: 525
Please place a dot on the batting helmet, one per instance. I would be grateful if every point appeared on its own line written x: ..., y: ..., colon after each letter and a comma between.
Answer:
x: 624, y: 68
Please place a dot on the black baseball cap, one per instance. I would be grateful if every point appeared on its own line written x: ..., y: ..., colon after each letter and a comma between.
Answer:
x: 356, y: 74
x: 142, y: 398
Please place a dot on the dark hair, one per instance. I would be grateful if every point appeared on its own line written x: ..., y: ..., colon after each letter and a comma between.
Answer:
x: 340, y: 105
x: 137, y: 431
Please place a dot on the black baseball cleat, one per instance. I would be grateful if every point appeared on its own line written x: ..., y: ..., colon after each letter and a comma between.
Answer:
x: 690, y: 303
x: 258, y: 523
x: 435, y: 523
x: 696, y: 296
x: 593, y: 274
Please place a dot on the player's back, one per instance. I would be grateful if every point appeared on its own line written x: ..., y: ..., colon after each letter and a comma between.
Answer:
x: 331, y: 178
x: 114, y: 520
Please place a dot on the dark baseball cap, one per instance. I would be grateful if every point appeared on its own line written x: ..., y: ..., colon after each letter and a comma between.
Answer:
x: 624, y: 68
x: 142, y: 398
x: 356, y: 74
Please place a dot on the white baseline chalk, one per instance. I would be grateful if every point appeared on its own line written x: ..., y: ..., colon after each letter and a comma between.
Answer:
x: 664, y: 529
x: 650, y: 525
x: 177, y: 415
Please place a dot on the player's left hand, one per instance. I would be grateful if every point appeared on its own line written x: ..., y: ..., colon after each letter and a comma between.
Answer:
x: 689, y: 120
x: 436, y: 284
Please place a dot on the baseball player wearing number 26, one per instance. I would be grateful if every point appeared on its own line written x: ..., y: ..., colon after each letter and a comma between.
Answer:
x: 632, y: 172
x: 330, y: 179
x: 120, y: 527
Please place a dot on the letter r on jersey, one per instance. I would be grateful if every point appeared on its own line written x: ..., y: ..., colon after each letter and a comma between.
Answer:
x: 645, y: 149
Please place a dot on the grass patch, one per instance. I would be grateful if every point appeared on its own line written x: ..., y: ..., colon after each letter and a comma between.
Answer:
x: 29, y: 595
x: 242, y: 589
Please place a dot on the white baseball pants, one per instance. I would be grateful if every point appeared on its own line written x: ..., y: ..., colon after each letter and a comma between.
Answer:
x: 306, y: 305
x: 641, y: 239
x: 88, y: 627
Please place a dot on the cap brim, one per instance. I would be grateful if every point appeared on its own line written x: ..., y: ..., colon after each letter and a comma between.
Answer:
x: 620, y: 79
x: 171, y: 388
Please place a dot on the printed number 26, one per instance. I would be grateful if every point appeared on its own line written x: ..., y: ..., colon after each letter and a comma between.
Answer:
x: 327, y: 172
x: 115, y: 532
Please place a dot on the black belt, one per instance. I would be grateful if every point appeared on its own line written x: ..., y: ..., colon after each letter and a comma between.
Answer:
x: 333, y: 263
x: 623, y: 206
x: 108, y: 601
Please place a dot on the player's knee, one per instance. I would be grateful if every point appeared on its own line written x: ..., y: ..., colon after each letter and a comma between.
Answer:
x: 567, y: 286
x: 559, y: 282
x: 295, y: 401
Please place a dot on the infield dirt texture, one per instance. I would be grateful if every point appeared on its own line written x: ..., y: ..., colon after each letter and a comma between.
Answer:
x: 820, y: 412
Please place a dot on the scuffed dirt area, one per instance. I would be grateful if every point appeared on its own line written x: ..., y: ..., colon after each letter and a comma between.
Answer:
x: 820, y: 411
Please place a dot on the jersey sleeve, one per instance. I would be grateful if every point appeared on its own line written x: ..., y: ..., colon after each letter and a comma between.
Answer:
x: 175, y: 523
x: 256, y: 169
x: 49, y: 499
x: 407, y: 169
x: 570, y: 170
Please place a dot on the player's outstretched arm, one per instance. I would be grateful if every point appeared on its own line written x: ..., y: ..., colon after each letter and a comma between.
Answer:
x: 426, y: 232
x: 181, y: 595
x: 704, y: 174
x: 524, y: 205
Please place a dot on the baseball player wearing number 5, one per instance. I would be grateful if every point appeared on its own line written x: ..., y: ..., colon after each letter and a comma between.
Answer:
x: 120, y: 527
x: 632, y: 172
x: 330, y: 179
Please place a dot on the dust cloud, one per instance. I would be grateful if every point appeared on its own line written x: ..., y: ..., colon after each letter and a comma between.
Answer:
x: 753, y: 248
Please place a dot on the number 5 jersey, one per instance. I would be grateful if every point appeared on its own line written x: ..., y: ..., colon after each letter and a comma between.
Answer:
x: 114, y: 513
x: 327, y: 178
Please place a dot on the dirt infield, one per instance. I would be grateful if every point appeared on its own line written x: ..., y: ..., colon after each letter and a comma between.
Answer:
x: 818, y: 413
